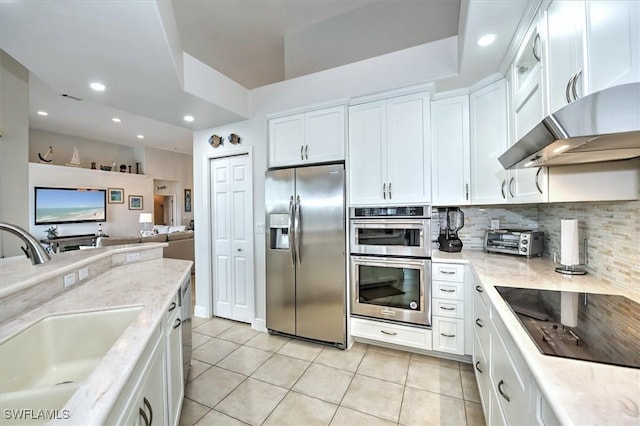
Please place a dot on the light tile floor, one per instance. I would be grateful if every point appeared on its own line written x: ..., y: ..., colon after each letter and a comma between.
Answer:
x: 240, y: 376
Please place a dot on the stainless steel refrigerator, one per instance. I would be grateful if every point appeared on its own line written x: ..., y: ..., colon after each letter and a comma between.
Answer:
x: 306, y: 270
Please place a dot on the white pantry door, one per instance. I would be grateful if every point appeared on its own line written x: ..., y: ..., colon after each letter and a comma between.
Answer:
x: 232, y: 225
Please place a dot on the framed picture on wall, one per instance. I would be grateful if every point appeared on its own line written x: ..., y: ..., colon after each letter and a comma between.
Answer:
x: 115, y: 195
x: 135, y: 202
x: 187, y: 200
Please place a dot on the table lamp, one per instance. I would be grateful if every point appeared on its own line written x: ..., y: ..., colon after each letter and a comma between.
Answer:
x: 146, y: 219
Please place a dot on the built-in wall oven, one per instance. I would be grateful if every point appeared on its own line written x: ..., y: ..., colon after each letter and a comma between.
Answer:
x: 390, y: 264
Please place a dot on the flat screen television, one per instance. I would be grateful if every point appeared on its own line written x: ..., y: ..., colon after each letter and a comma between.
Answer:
x: 69, y: 205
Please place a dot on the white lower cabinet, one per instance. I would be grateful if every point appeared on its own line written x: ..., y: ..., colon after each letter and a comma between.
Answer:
x: 143, y: 400
x: 508, y: 392
x: 175, y: 382
x: 395, y: 334
x: 448, y: 335
x: 155, y: 390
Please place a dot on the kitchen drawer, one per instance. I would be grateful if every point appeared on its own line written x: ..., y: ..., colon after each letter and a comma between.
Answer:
x: 447, y: 272
x: 448, y: 335
x: 447, y: 290
x: 481, y: 370
x: 510, y: 380
x: 481, y: 319
x: 448, y: 308
x: 396, y: 334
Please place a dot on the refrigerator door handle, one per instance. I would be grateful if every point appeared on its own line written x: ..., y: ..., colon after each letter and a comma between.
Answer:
x: 290, y: 225
x: 298, y: 231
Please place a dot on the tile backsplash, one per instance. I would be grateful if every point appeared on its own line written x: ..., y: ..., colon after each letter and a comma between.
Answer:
x: 612, y: 230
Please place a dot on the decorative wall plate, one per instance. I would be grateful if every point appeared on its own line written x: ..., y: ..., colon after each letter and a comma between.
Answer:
x: 215, y: 141
x: 234, y: 139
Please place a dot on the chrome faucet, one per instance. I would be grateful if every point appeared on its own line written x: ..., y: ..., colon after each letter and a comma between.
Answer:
x: 34, y: 251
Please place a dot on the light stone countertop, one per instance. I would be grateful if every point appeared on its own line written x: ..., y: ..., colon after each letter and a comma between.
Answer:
x: 579, y: 392
x: 151, y: 284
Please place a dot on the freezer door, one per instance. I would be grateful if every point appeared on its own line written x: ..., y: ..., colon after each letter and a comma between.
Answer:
x: 321, y: 269
x: 280, y: 269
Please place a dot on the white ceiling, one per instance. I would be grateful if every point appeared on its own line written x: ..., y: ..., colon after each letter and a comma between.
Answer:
x: 135, y: 48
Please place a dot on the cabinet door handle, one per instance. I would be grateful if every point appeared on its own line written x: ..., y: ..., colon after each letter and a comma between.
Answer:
x: 538, y: 180
x: 301, y: 152
x: 172, y: 306
x: 306, y: 152
x: 177, y: 323
x: 567, y: 90
x: 389, y: 333
x: 504, y: 182
x: 446, y: 290
x: 389, y: 190
x: 384, y: 191
x: 504, y: 395
x: 510, y: 190
x: 534, y: 49
x: 448, y: 272
x: 466, y: 191
x: 447, y: 335
x: 148, y: 404
x: 479, y: 289
x: 444, y: 308
x: 144, y: 417
x: 574, y: 90
x: 479, y: 323
x: 478, y: 367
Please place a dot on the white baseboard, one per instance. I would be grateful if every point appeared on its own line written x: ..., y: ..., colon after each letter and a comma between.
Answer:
x: 259, y: 325
x: 201, y: 312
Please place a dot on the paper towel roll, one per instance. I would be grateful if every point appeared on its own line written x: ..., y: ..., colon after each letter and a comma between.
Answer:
x: 569, y: 308
x: 569, y: 250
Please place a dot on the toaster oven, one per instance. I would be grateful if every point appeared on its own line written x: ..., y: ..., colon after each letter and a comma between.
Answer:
x: 514, y: 241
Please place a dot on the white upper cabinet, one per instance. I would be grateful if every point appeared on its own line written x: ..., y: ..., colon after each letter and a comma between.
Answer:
x: 389, y: 151
x: 488, y: 131
x: 613, y: 43
x: 591, y: 45
x: 450, y: 151
x: 565, y: 31
x: 306, y: 138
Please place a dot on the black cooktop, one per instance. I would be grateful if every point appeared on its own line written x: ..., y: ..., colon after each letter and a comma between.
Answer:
x: 607, y: 331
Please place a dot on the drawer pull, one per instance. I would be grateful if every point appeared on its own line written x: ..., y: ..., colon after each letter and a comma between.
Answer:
x: 390, y: 333
x: 172, y: 306
x: 478, y: 367
x: 447, y: 290
x: 479, y: 323
x: 445, y: 308
x: 504, y: 395
x: 479, y: 289
x: 448, y: 272
x: 447, y: 335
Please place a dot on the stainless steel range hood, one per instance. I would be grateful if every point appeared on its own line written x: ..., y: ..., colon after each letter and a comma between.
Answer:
x: 603, y: 126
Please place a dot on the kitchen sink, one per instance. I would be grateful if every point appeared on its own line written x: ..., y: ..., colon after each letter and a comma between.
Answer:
x: 42, y: 366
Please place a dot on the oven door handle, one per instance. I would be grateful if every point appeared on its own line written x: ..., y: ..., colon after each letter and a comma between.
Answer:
x: 396, y: 223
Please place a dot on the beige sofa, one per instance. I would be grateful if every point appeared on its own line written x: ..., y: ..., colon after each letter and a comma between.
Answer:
x: 180, y: 243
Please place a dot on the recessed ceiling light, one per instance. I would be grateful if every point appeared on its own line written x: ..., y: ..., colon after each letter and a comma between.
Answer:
x: 98, y: 87
x: 116, y: 120
x: 188, y: 118
x: 486, y: 40
x: 43, y: 113
x: 140, y: 136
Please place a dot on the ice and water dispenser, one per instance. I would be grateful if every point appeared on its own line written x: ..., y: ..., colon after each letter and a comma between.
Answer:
x: 279, y: 231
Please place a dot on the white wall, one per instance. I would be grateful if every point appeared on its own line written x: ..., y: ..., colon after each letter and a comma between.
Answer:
x: 408, y: 67
x: 89, y: 150
x: 176, y: 168
x: 14, y: 151
x: 120, y: 220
